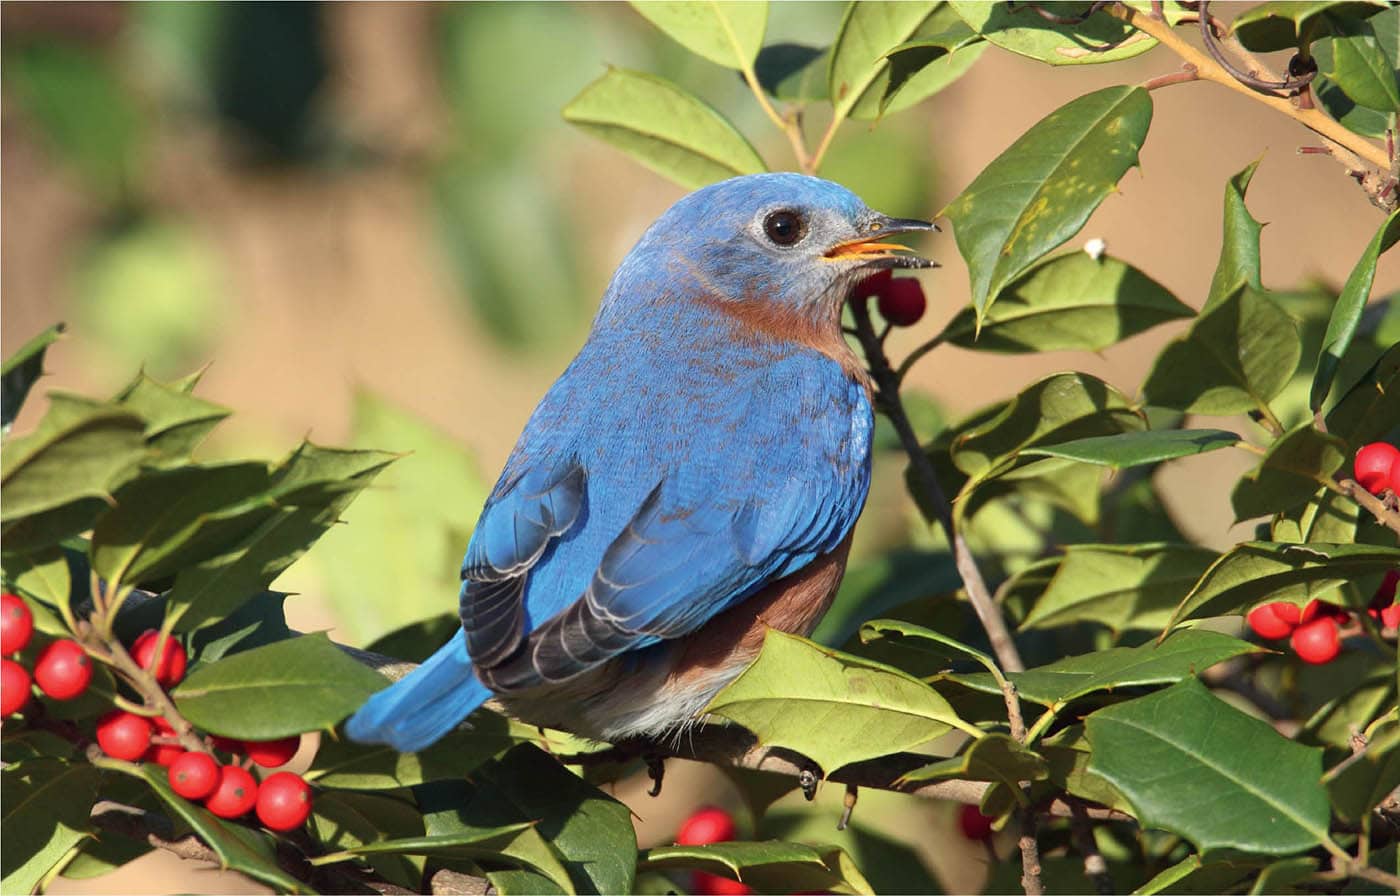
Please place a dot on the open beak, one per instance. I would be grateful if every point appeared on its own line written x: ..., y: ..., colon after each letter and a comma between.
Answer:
x: 873, y: 252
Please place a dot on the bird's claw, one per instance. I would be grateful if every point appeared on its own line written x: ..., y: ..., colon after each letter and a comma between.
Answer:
x: 656, y: 770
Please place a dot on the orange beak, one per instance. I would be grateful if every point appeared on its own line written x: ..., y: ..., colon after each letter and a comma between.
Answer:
x: 871, y: 250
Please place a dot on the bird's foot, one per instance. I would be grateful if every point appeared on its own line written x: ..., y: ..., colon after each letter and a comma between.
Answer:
x: 656, y: 770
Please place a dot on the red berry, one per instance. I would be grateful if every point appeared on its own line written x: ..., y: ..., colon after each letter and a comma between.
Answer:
x: 1267, y: 625
x: 165, y: 754
x: 1390, y: 616
x: 974, y: 825
x: 903, y: 303
x: 1286, y: 613
x: 63, y: 670
x: 1317, y: 642
x: 14, y: 687
x: 194, y: 775
x: 703, y: 883
x: 272, y: 753
x: 1373, y: 466
x: 707, y: 825
x: 235, y: 794
x: 16, y: 624
x: 124, y: 735
x: 874, y: 285
x: 173, y: 660
x: 284, y: 801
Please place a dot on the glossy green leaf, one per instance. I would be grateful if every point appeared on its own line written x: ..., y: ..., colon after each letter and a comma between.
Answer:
x: 1371, y: 405
x: 1346, y: 313
x: 1068, y: 303
x: 727, y: 33
x: 1264, y: 791
x: 350, y: 766
x: 1238, y: 355
x: 46, y: 576
x: 662, y: 126
x: 1134, y: 449
x: 20, y: 371
x: 1253, y: 571
x: 1067, y: 754
x: 1363, y: 780
x: 176, y: 421
x: 1099, y: 38
x: 1060, y: 408
x: 46, y: 814
x: 993, y: 757
x: 240, y: 848
x: 859, y: 72
x: 1283, y: 24
x: 259, y: 622
x: 347, y: 820
x: 1362, y: 62
x: 926, y: 638
x: 1040, y: 191
x: 1239, y: 245
x: 1120, y: 586
x: 1289, y: 475
x: 770, y: 866
x: 293, y: 686
x: 832, y: 707
x: 1333, y: 97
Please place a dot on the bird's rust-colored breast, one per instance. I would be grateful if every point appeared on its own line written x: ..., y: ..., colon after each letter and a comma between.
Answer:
x: 764, y: 321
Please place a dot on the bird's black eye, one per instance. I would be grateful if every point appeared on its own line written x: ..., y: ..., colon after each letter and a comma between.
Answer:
x: 784, y: 227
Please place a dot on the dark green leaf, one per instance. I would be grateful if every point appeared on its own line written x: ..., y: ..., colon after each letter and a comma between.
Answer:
x: 261, y: 620
x: 20, y: 371
x: 1363, y: 780
x: 1099, y: 38
x: 463, y: 843
x: 1284, y: 25
x: 1362, y: 63
x: 1290, y: 473
x: 727, y: 33
x: 1183, y: 655
x: 665, y: 128
x: 1346, y: 314
x: 1239, y: 246
x: 1133, y: 449
x: 417, y: 641
x: 45, y: 815
x: 793, y: 72
x: 348, y: 820
x: 1039, y: 192
x: 770, y: 866
x: 927, y: 639
x: 992, y: 757
x: 240, y: 848
x: 105, y: 853
x: 1120, y: 586
x: 1239, y: 354
x: 1072, y: 302
x: 1191, y: 875
x: 350, y: 766
x: 831, y: 707
x: 1264, y: 791
x: 176, y: 421
x: 1067, y: 752
x: 293, y: 686
x: 1370, y: 407
x: 1296, y: 573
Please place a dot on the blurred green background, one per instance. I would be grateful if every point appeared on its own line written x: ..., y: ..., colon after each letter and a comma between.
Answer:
x: 372, y: 223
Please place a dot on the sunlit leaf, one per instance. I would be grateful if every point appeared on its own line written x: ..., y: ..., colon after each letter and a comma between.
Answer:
x: 727, y: 33
x: 1099, y: 38
x: 1120, y: 586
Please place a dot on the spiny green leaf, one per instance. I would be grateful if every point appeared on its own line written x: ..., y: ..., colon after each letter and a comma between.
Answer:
x: 1290, y: 473
x: 1239, y: 246
x: 727, y: 33
x: 993, y: 757
x: 1120, y: 586
x: 176, y: 421
x: 1362, y: 59
x: 1040, y: 191
x: 1346, y: 313
x: 1071, y: 302
x: 1264, y: 791
x: 665, y: 128
x: 769, y: 866
x: 832, y: 707
x: 20, y: 371
x: 293, y: 686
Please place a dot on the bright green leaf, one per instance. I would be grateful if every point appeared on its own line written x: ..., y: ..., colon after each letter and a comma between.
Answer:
x: 1134, y: 449
x: 665, y: 128
x: 1040, y: 191
x: 1290, y: 473
x: 1071, y: 302
x: 293, y: 686
x: 1346, y: 313
x: 1099, y: 38
x: 1361, y: 64
x: 1263, y: 791
x: 1120, y: 586
x: 176, y: 421
x: 727, y: 33
x: 832, y: 707
x: 1327, y: 517
x: 859, y: 72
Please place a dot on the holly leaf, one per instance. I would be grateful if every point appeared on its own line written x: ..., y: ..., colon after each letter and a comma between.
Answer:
x: 1289, y: 475
x: 769, y: 867
x: 21, y: 371
x: 1120, y: 586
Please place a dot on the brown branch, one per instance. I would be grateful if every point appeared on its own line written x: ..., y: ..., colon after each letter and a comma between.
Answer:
x: 1095, y: 867
x: 1381, y: 510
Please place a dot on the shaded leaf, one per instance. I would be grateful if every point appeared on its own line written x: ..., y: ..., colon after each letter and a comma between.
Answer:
x: 417, y: 641
x: 348, y: 820
x: 1133, y: 449
x: 350, y: 766
x: 769, y: 866
x: 45, y: 815
x: 662, y: 126
x: 1071, y: 302
x: 1362, y: 62
x: 1346, y: 313
x: 930, y: 62
x: 1192, y: 875
x: 793, y: 72
x: 1296, y: 573
x: 927, y: 639
x: 298, y: 685
x: 1238, y: 355
x: 1290, y: 473
x: 1362, y: 781
x: 727, y: 33
x: 20, y: 371
x: 261, y: 620
x: 1067, y: 754
x: 1099, y: 38
x: 1370, y: 407
x: 1272, y: 26
x: 1040, y: 191
x: 992, y: 757
x: 1120, y: 586
x: 1327, y: 517
x: 859, y: 71
x: 1264, y: 790
x: 831, y: 707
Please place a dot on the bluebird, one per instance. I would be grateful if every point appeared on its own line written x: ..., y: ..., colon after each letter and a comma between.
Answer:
x: 690, y: 481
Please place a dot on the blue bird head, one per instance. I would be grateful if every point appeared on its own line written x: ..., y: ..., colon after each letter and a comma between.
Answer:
x: 790, y: 240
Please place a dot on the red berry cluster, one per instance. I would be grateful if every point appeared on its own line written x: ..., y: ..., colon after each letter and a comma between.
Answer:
x: 900, y: 300
x: 1312, y: 631
x: 63, y: 671
x: 705, y: 826
x: 1377, y: 467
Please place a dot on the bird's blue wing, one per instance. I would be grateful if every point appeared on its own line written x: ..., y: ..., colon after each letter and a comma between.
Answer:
x: 702, y: 540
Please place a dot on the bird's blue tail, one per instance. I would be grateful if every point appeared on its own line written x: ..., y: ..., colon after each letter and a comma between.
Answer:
x: 427, y: 703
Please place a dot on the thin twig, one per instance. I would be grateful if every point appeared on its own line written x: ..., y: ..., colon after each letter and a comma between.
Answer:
x: 1379, y: 509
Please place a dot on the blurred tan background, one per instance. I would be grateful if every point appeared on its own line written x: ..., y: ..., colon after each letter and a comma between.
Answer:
x: 386, y: 198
